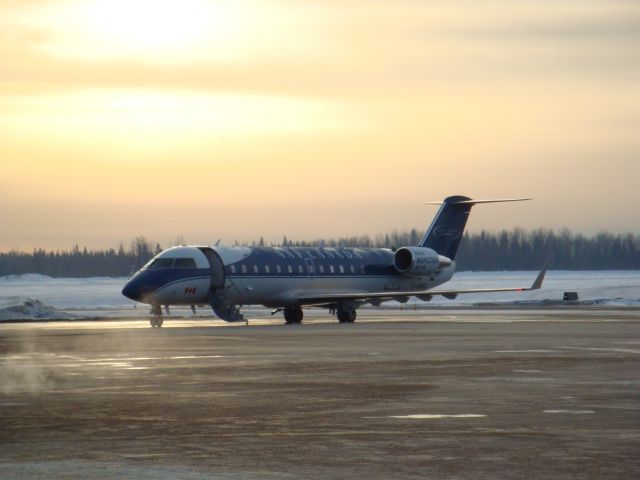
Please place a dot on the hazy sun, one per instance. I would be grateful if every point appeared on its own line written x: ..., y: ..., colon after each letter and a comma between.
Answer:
x: 153, y: 23
x: 169, y: 31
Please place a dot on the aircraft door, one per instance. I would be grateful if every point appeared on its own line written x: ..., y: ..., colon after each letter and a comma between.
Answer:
x: 217, y: 268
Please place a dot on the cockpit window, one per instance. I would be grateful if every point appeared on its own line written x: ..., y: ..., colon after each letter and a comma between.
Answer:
x: 162, y: 263
x: 185, y: 263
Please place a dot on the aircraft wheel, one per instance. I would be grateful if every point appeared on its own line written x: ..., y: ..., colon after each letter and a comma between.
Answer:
x: 156, y: 321
x: 293, y: 315
x: 346, y: 316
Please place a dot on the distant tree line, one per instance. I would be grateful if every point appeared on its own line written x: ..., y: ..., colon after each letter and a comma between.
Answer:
x: 528, y: 250
x: 80, y: 262
x: 518, y: 249
x: 506, y: 250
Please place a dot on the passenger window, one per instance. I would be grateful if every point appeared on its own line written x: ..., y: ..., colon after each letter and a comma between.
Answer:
x: 232, y: 268
x: 321, y: 269
x: 162, y: 263
x: 353, y: 270
x: 331, y: 269
x: 278, y: 269
x: 185, y: 263
x: 299, y: 268
x: 244, y: 269
x: 266, y: 269
x: 290, y: 268
x: 341, y: 269
x: 255, y: 269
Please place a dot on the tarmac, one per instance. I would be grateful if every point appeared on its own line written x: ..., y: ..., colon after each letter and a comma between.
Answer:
x: 476, y: 395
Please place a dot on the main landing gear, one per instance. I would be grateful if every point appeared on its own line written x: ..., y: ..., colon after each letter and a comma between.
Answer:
x: 347, y: 315
x: 293, y: 315
x: 156, y: 320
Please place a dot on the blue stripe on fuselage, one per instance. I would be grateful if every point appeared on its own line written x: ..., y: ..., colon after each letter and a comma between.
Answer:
x: 150, y: 280
x: 306, y: 262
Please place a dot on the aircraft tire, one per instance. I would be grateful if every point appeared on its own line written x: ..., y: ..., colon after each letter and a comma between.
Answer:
x: 156, y: 322
x: 346, y: 316
x: 293, y: 315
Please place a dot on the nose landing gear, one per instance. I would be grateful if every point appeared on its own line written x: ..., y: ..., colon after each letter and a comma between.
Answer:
x: 156, y: 320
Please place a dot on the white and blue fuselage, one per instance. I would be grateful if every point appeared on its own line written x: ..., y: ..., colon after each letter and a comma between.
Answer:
x: 290, y: 278
x: 278, y: 277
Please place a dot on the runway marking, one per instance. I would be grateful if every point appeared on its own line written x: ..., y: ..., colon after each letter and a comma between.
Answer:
x: 190, y: 357
x: 110, y: 364
x: 144, y: 358
x: 525, y: 351
x: 571, y: 412
x: 126, y: 358
x: 597, y: 349
x: 103, y: 361
x: 421, y: 416
x: 527, y: 371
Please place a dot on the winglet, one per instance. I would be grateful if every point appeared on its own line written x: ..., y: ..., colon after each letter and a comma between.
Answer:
x: 537, y: 284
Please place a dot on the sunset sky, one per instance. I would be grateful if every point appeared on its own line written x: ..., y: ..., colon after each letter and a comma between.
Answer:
x: 239, y: 119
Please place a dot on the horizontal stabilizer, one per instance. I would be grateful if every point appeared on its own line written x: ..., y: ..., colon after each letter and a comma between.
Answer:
x: 476, y: 202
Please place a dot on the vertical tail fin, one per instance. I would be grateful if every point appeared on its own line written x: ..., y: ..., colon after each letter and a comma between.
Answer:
x: 446, y: 230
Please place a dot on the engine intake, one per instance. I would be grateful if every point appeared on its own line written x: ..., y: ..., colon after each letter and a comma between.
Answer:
x: 419, y: 261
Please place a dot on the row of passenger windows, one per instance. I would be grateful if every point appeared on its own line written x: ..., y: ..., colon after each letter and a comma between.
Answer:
x: 173, y: 262
x: 291, y: 269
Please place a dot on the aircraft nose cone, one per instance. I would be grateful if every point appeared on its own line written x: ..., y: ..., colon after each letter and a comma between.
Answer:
x: 131, y: 291
x: 139, y: 288
x: 134, y: 289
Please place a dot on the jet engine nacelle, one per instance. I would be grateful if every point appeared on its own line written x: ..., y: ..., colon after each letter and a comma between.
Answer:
x: 419, y: 261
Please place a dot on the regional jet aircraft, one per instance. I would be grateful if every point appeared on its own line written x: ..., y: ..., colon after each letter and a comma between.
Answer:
x: 289, y: 279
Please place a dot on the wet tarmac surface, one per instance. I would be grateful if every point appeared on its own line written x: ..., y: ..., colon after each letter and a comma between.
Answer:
x: 447, y: 398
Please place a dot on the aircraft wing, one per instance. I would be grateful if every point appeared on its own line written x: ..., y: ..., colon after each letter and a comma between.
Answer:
x: 332, y: 298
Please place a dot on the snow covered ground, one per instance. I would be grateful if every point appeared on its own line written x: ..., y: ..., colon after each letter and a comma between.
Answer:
x: 37, y: 296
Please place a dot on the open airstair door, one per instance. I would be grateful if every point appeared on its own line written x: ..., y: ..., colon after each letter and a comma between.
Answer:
x: 217, y: 268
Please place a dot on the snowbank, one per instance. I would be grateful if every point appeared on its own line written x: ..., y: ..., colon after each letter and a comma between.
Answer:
x: 26, y: 277
x: 31, y: 309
